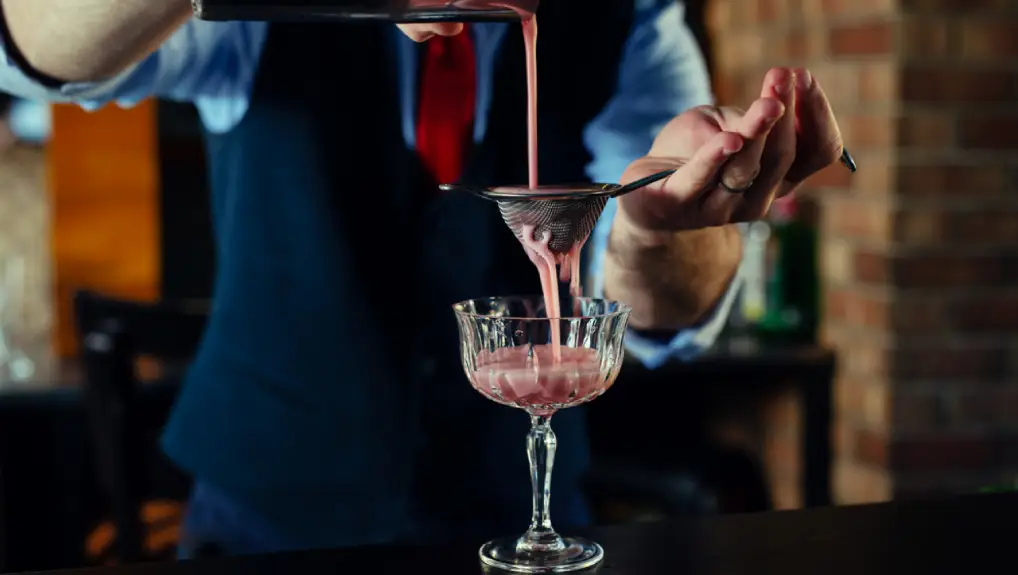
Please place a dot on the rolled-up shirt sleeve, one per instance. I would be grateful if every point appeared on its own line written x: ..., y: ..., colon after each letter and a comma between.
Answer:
x: 209, y: 63
x: 661, y: 75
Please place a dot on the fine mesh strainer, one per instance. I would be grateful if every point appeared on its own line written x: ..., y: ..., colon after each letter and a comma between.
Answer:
x: 564, y: 214
x: 568, y: 212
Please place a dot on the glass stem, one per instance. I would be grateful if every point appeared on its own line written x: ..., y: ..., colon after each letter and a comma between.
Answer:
x: 541, y: 444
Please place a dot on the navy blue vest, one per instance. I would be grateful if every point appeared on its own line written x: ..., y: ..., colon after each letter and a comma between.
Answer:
x: 328, y: 394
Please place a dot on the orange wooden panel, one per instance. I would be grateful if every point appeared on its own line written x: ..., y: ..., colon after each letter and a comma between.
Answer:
x: 103, y: 180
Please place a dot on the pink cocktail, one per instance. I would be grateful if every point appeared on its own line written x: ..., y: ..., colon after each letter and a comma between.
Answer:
x: 517, y: 356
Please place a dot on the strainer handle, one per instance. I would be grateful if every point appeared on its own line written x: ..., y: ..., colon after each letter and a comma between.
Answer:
x: 633, y: 186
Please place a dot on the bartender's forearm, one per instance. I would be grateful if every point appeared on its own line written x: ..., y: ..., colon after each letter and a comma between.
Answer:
x: 90, y: 40
x: 671, y: 279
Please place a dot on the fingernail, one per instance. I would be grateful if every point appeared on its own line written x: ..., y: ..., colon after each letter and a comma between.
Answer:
x: 804, y: 79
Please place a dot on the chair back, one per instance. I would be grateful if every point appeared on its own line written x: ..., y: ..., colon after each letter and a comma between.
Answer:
x: 127, y: 411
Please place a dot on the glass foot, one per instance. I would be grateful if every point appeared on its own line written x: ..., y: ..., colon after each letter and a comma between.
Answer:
x: 511, y: 554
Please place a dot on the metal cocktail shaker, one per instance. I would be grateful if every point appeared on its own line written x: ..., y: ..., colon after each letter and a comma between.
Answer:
x: 385, y: 10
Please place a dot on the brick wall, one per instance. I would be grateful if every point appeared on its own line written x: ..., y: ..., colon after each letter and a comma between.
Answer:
x: 920, y: 248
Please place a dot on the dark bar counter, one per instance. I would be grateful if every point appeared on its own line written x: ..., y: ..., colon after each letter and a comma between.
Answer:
x: 967, y: 535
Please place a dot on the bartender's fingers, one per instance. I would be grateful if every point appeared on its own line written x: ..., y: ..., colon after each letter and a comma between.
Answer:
x: 699, y: 175
x: 779, y: 151
x: 422, y: 32
x: 675, y: 202
x: 740, y: 171
x: 819, y: 138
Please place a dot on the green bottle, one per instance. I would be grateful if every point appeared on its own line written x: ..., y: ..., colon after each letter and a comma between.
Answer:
x: 791, y: 313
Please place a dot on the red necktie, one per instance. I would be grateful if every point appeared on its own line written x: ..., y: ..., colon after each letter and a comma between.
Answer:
x: 448, y: 95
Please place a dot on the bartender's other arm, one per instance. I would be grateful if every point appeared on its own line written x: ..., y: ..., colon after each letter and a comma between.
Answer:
x: 102, y: 57
x: 89, y: 40
x: 680, y: 313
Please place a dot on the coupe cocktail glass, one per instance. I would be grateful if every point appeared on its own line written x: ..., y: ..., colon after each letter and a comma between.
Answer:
x: 507, y: 352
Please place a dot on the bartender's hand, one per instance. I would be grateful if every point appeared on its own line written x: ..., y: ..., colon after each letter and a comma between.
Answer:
x: 423, y: 32
x: 674, y: 249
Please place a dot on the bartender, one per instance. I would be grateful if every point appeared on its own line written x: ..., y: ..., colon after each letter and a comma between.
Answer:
x: 327, y: 406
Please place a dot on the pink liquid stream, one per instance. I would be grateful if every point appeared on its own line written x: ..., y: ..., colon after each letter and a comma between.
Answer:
x: 543, y: 378
x: 546, y: 261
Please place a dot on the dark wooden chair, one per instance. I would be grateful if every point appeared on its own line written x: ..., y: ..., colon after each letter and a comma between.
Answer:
x: 127, y: 412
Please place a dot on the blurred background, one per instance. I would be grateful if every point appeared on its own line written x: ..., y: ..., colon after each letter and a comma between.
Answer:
x: 873, y: 354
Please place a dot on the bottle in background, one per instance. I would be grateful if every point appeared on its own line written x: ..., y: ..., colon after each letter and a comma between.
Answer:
x: 791, y: 286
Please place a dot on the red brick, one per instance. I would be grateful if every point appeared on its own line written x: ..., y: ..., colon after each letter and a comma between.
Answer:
x: 989, y: 226
x: 862, y: 401
x: 719, y: 17
x: 724, y: 88
x: 861, y: 39
x: 951, y: 179
x: 918, y: 227
x: 871, y: 447
x: 833, y: 176
x: 946, y: 452
x: 751, y: 50
x: 925, y: 38
x: 932, y: 363
x: 878, y: 82
x: 864, y: 358
x: 795, y: 45
x: 913, y: 315
x: 988, y: 407
x: 795, y: 9
x: 850, y: 404
x: 856, y: 483
x: 869, y: 131
x: 836, y: 261
x: 770, y: 10
x: 837, y: 305
x: 879, y: 179
x: 917, y: 411
x: 852, y: 218
x: 930, y: 226
x: 856, y: 7
x: 843, y: 437
x: 935, y: 84
x: 945, y: 7
x: 989, y: 133
x: 937, y: 270
x: 871, y: 266
x: 925, y: 130
x: 875, y: 7
x: 989, y: 39
x: 835, y: 7
x: 997, y: 312
x: 856, y: 309
x: 744, y: 14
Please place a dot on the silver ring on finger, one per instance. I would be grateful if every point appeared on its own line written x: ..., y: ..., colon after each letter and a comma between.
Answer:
x: 731, y: 190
